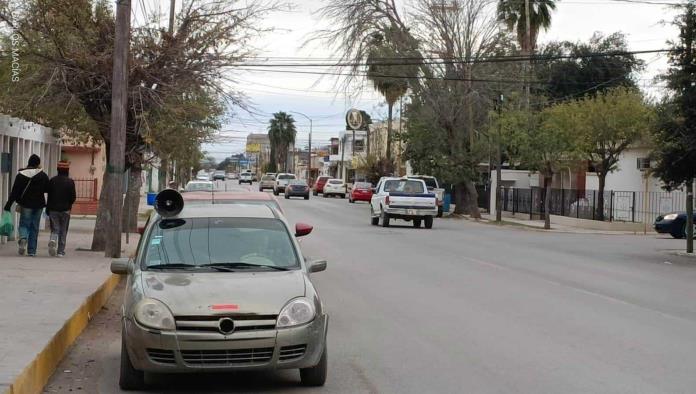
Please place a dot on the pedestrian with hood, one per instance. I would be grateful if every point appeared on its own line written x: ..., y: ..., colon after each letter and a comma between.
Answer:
x: 28, y: 191
x: 61, y: 197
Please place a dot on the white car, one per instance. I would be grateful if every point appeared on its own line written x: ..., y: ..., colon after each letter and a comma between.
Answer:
x: 199, y: 186
x: 246, y: 177
x: 405, y: 199
x: 203, y: 176
x: 335, y: 187
x: 281, y: 182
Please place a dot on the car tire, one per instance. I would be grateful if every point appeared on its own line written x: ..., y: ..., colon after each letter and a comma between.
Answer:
x: 287, y: 196
x: 350, y: 200
x: 129, y: 377
x: 306, y: 197
x: 385, y: 219
x: 275, y: 192
x: 416, y: 223
x: 439, y: 212
x: 374, y: 220
x: 343, y: 196
x: 315, y: 193
x: 428, y: 222
x: 326, y: 195
x: 315, y: 376
x: 240, y: 182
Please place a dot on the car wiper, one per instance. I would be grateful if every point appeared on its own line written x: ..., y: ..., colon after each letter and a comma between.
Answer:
x: 243, y: 265
x: 173, y: 265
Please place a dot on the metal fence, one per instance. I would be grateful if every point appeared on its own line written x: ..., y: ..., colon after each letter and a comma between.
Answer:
x: 623, y: 206
x: 86, y: 189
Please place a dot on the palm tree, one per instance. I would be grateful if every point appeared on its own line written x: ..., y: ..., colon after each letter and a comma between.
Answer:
x: 281, y: 133
x: 389, y: 80
x: 513, y: 13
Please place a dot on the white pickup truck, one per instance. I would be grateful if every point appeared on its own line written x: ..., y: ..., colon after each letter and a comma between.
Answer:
x: 403, y: 198
x: 433, y: 187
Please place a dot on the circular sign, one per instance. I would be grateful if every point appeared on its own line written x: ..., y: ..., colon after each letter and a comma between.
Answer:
x: 354, y: 119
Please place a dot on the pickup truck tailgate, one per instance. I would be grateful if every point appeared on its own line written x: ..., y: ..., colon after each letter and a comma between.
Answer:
x: 411, y: 201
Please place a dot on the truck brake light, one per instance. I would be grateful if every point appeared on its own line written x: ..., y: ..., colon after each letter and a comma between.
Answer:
x: 386, y: 200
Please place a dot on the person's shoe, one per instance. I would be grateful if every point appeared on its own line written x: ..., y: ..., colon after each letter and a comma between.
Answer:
x: 52, y: 245
x: 22, y: 245
x: 60, y: 255
x: 32, y: 255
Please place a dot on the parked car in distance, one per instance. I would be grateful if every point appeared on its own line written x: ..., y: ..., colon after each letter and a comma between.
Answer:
x: 249, y: 198
x: 673, y: 224
x: 334, y: 187
x: 199, y: 186
x: 319, y: 184
x: 202, y: 176
x: 273, y: 174
x: 433, y: 187
x: 219, y: 175
x: 176, y: 319
x: 267, y: 182
x: 281, y: 182
x: 231, y: 175
x: 297, y: 188
x: 361, y: 191
x: 403, y: 198
x: 246, y: 177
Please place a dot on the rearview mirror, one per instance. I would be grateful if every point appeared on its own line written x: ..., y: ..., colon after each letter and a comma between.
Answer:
x: 302, y: 229
x: 121, y: 266
x: 317, y: 266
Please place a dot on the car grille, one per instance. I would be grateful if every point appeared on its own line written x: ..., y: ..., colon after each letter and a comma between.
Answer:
x: 241, y: 323
x: 227, y: 357
x: 161, y: 356
x: 292, y: 352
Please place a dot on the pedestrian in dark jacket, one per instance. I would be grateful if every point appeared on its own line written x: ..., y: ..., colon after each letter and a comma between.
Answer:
x: 61, y: 197
x: 28, y: 191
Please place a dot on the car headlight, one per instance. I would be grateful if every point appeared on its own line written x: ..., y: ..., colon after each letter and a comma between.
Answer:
x: 154, y: 314
x: 296, y: 312
x: 671, y: 216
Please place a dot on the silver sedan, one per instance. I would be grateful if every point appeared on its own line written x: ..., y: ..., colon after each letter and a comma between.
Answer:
x: 219, y: 290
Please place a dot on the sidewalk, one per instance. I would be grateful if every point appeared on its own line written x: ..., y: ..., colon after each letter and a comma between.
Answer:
x: 539, y: 225
x: 46, y: 303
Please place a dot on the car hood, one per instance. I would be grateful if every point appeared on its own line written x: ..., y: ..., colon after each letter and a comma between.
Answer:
x: 191, y: 294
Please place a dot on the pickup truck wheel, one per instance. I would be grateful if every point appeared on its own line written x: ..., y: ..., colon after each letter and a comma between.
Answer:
x: 374, y: 220
x: 416, y: 223
x: 316, y: 375
x: 130, y: 378
x: 428, y: 222
x: 385, y: 219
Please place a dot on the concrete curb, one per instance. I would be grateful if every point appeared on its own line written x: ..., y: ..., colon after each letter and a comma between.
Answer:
x: 35, y: 375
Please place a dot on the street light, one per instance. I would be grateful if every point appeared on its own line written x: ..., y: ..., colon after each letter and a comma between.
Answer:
x: 309, y: 151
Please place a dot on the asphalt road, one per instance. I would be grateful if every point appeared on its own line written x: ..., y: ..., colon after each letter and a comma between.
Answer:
x: 465, y: 307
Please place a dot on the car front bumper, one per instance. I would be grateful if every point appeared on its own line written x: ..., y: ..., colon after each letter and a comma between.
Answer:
x: 664, y: 226
x: 176, y: 352
x: 291, y: 192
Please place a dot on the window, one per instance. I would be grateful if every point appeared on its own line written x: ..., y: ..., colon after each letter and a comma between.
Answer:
x: 359, y: 145
x: 335, y: 181
x: 286, y: 176
x: 201, y: 241
x: 404, y: 186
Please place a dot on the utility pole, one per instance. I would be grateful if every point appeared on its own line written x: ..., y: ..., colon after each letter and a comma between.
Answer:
x: 172, y: 4
x: 119, y: 116
x: 689, y: 216
x: 309, y: 153
x: 528, y: 41
x: 499, y: 159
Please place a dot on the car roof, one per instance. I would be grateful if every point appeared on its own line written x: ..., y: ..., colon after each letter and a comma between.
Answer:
x: 230, y: 211
x: 197, y: 196
x: 200, y: 182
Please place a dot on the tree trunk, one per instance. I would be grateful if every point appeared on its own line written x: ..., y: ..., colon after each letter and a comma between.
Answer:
x: 690, y: 216
x: 459, y: 198
x: 472, y: 200
x: 600, y: 196
x: 99, y: 236
x: 547, y: 202
x: 132, y: 201
x: 390, y: 107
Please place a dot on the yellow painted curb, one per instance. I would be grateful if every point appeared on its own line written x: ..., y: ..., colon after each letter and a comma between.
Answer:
x: 35, y: 376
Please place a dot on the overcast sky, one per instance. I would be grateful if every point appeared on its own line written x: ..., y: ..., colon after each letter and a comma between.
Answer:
x: 574, y: 20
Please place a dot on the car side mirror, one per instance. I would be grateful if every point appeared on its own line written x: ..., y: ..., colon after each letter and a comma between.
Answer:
x: 373, y: 189
x: 121, y: 266
x: 302, y: 229
x: 317, y: 266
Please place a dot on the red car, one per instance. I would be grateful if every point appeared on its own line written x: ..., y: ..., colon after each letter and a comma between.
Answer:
x: 319, y: 184
x: 361, y: 191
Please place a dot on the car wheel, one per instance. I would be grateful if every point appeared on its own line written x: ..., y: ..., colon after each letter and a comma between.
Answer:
x: 385, y: 219
x: 240, y: 182
x: 287, y: 196
x: 316, y: 375
x: 343, y: 196
x: 315, y: 193
x: 439, y: 212
x: 130, y: 378
x: 350, y: 200
x: 428, y: 222
x: 683, y: 230
x: 275, y: 192
x: 260, y: 189
x: 306, y: 197
x: 416, y: 223
x: 326, y: 195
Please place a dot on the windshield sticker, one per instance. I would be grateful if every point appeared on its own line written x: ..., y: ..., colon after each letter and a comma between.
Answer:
x: 156, y: 241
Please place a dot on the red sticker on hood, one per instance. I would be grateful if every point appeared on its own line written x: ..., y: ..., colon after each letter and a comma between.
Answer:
x: 219, y: 307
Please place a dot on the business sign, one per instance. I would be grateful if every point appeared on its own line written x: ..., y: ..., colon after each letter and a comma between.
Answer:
x: 354, y: 119
x: 253, y: 148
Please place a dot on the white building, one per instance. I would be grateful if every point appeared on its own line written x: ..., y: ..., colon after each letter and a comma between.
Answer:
x: 349, y: 153
x: 20, y: 139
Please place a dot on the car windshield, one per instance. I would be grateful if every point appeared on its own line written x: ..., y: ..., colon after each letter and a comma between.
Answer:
x: 298, y: 182
x: 267, y: 178
x: 404, y: 186
x: 286, y: 176
x: 202, y: 241
x: 363, y: 185
x: 199, y: 186
x: 335, y: 181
